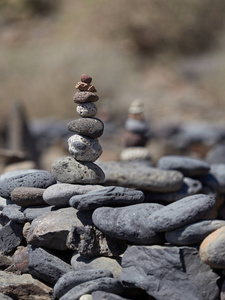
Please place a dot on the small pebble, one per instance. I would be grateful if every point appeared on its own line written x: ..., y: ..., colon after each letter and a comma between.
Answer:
x: 86, y: 78
x: 86, y: 110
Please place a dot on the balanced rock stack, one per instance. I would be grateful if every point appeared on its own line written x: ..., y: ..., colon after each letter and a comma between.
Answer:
x: 84, y: 146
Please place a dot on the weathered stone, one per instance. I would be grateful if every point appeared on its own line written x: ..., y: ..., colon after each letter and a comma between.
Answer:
x: 99, y: 295
x: 83, y: 148
x: 91, y: 127
x: 190, y: 167
x: 86, y: 78
x: 27, y: 196
x: 193, y: 234
x: 46, y: 266
x: 148, y: 178
x: 212, y: 249
x: 74, y: 278
x: 14, y: 212
x: 68, y: 170
x: 128, y: 223
x: 90, y: 242
x: 84, y: 97
x: 103, y: 284
x: 51, y: 230
x: 5, y: 262
x: 107, y: 196
x: 21, y: 259
x: 82, y: 86
x: 10, y: 237
x: 181, y: 212
x: 86, y: 110
x: 60, y: 194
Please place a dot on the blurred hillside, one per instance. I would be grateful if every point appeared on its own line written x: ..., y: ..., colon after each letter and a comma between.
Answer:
x: 170, y: 54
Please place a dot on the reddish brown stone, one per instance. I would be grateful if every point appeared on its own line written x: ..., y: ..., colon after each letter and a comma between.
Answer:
x: 86, y: 78
x: 21, y: 259
x: 82, y: 86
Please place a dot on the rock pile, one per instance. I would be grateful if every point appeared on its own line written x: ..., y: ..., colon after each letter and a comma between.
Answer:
x: 144, y: 233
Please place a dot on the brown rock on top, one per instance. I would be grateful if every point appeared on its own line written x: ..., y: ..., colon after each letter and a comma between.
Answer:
x: 86, y: 78
x: 82, y: 86
x: 84, y: 97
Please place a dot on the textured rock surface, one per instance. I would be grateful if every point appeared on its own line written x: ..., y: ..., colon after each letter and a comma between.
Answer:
x: 181, y: 212
x: 10, y: 237
x: 27, y: 196
x: 84, y: 97
x: 107, y: 196
x: 128, y: 223
x: 68, y: 170
x: 86, y: 110
x: 91, y: 127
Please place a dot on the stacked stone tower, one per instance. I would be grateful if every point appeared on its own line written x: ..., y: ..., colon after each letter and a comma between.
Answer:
x: 83, y: 145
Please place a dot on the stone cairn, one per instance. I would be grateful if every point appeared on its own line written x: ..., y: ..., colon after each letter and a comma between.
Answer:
x: 84, y: 146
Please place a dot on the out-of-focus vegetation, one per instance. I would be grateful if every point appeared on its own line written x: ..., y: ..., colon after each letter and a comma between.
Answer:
x: 168, y: 53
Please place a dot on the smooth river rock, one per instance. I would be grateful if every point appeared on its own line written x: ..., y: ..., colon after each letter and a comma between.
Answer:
x: 91, y: 127
x: 27, y: 196
x: 216, y: 178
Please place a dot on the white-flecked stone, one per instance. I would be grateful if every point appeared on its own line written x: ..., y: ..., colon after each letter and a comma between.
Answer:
x: 86, y: 110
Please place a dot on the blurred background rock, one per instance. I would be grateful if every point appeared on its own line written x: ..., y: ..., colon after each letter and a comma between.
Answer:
x: 169, y: 54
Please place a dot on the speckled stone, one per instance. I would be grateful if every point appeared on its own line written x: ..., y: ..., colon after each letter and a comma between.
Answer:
x: 68, y: 170
x: 181, y: 212
x: 91, y: 127
x: 86, y: 110
x: 84, y: 149
x: 84, y: 97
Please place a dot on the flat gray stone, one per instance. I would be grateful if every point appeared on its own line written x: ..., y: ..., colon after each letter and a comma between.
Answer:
x: 84, y: 97
x: 149, y: 178
x: 190, y: 167
x: 181, y: 212
x: 74, y: 278
x: 91, y: 127
x: 10, y: 237
x: 68, y: 170
x: 128, y: 223
x: 14, y: 212
x: 107, y: 196
x: 111, y: 285
x: 27, y: 196
x: 216, y: 178
x: 152, y: 267
x: 193, y: 234
x: 60, y: 194
x: 24, y: 178
x: 46, y: 266
x: 190, y: 187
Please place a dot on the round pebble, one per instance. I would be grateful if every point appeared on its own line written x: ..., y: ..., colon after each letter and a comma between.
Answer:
x: 86, y: 78
x: 91, y: 127
x: 86, y: 110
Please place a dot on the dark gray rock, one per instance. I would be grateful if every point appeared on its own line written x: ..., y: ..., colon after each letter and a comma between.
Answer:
x: 91, y: 242
x: 107, y: 196
x: 84, y: 97
x: 10, y: 237
x: 103, y: 284
x: 128, y: 223
x: 27, y: 196
x: 31, y: 213
x: 74, y: 278
x: 137, y: 126
x: 68, y: 170
x: 190, y: 167
x: 149, y: 178
x: 91, y: 127
x: 99, y: 295
x: 60, y: 194
x: 181, y: 212
x: 24, y: 178
x: 46, y: 266
x: 159, y: 271
x: 14, y: 212
x: 216, y: 178
x: 190, y: 187
x: 193, y: 234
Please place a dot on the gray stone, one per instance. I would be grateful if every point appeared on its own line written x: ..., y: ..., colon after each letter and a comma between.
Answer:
x: 103, y: 284
x: 181, y: 212
x: 190, y: 187
x: 60, y: 194
x: 23, y: 287
x: 46, y: 266
x: 14, y: 212
x: 86, y: 110
x: 111, y: 264
x: 4, y: 297
x: 190, y: 167
x: 91, y: 127
x: 10, y: 237
x: 137, y: 126
x: 91, y: 242
x: 74, y: 278
x: 216, y: 155
x: 135, y: 153
x: 152, y: 267
x: 27, y: 196
x: 83, y: 148
x: 68, y: 170
x: 99, y: 295
x: 50, y: 231
x: 216, y: 178
x: 3, y: 203
x: 107, y: 196
x: 193, y: 234
x: 128, y: 223
x: 84, y: 97
x: 149, y: 178
x: 24, y: 178
x: 31, y: 213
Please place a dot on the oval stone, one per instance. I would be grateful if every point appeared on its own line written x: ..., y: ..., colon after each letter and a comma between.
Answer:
x: 181, y: 212
x: 84, y: 97
x: 128, y: 223
x: 84, y: 149
x: 91, y: 127
x: 86, y: 110
x: 216, y: 178
x: 27, y: 196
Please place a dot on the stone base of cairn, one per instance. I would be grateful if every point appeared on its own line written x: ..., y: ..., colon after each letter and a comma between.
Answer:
x: 84, y: 146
